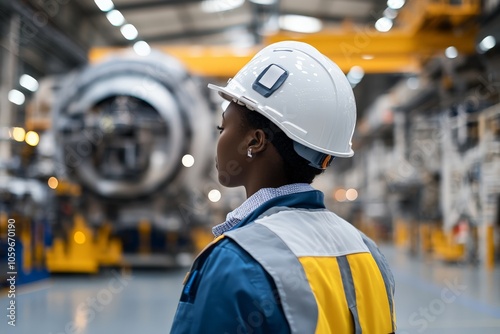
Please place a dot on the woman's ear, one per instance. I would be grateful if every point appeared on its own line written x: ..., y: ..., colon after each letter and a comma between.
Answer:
x: 257, y: 141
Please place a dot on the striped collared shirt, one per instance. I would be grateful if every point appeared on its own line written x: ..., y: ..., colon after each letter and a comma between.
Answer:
x: 256, y: 200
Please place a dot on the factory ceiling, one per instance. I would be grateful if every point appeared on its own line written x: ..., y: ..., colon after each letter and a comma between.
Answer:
x: 57, y: 36
x: 235, y: 22
x: 75, y: 26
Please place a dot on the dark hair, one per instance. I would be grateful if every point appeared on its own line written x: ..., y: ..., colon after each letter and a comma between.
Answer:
x: 297, y: 169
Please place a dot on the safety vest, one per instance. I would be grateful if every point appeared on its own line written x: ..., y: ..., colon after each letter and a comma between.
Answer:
x: 330, y: 277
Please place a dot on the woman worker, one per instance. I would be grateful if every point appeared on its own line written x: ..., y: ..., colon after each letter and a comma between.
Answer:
x: 281, y: 262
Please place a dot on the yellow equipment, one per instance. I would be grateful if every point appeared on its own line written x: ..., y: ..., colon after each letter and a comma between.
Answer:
x: 81, y: 252
x: 424, y: 29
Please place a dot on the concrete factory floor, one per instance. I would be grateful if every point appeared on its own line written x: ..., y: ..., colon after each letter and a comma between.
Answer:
x: 431, y: 297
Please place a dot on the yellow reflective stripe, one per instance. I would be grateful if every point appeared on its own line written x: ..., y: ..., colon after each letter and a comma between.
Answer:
x: 333, y: 313
x: 371, y: 297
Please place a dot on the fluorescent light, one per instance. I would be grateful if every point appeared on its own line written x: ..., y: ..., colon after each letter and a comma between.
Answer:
x: 487, y: 43
x: 395, y: 4
x: 264, y: 2
x: 216, y: 6
x: 451, y: 52
x: 16, y: 97
x: 383, y: 24
x: 299, y: 23
x: 28, y: 82
x: 115, y: 18
x: 142, y: 48
x: 129, y: 31
x: 104, y: 5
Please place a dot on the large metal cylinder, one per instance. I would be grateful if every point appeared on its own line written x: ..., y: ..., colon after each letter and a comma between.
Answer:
x: 124, y: 125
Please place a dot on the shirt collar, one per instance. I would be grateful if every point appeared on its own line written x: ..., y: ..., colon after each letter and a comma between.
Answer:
x: 256, y: 200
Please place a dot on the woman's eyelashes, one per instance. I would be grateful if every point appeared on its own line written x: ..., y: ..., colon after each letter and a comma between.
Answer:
x: 220, y: 128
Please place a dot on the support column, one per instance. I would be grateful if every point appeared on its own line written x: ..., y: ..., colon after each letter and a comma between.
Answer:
x: 10, y: 46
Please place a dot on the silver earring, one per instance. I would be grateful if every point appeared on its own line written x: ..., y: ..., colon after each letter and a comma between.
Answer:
x: 249, y: 153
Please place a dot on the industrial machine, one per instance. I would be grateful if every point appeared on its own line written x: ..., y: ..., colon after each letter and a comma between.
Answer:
x: 133, y: 140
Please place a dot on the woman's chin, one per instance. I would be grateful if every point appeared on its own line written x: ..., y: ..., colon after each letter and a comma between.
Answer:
x: 226, y: 180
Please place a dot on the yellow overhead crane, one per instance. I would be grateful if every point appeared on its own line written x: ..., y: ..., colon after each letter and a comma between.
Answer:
x: 425, y: 28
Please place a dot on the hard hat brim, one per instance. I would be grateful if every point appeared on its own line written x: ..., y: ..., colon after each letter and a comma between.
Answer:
x: 223, y: 92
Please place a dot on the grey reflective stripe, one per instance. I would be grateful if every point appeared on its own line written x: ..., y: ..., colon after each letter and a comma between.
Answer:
x: 297, y: 298
x: 327, y: 234
x: 384, y: 269
x: 350, y: 292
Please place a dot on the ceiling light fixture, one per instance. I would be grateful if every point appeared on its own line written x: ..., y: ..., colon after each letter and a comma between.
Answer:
x: 129, y: 31
x: 263, y: 2
x: 28, y: 82
x: 487, y: 43
x: 390, y: 13
x: 451, y: 52
x: 142, y: 48
x: 383, y: 24
x: 395, y: 4
x: 216, y: 6
x: 16, y: 97
x: 104, y: 5
x: 115, y: 18
x: 299, y: 23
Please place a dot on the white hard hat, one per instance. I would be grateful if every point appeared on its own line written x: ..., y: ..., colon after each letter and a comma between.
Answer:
x: 301, y: 91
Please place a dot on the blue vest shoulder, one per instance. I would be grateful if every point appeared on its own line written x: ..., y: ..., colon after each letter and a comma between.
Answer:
x: 228, y: 291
